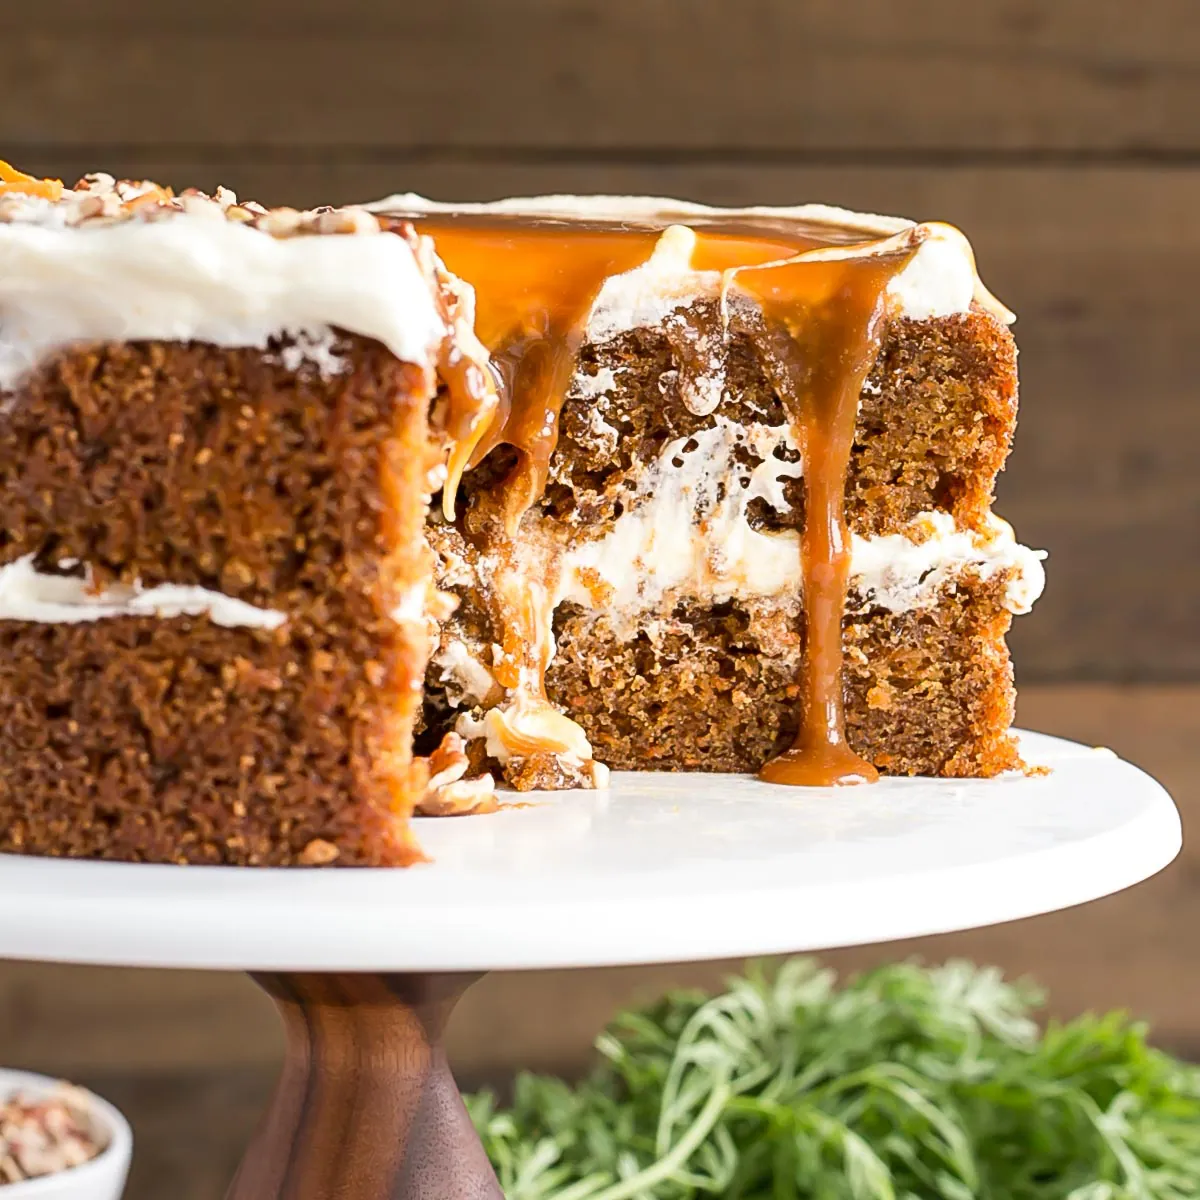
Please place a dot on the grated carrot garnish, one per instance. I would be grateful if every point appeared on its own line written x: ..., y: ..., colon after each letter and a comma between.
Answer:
x: 14, y: 181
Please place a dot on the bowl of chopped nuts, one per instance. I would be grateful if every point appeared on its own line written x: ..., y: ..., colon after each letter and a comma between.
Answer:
x: 59, y: 1142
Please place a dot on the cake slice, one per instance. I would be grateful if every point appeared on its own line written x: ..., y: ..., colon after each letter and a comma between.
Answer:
x: 218, y: 435
x: 711, y: 491
x: 735, y: 514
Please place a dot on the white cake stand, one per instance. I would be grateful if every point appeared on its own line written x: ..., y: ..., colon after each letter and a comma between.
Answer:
x: 367, y: 965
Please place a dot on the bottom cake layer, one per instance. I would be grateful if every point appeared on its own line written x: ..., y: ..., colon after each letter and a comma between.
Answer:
x: 713, y: 688
x: 927, y: 692
x: 149, y: 740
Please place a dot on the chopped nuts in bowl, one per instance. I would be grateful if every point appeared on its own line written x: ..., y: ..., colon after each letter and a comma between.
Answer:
x: 59, y: 1142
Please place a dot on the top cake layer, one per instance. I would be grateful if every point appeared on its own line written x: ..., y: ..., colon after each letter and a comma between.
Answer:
x: 121, y: 261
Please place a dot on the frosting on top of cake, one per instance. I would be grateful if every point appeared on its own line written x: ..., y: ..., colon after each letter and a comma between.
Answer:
x: 118, y: 261
x: 940, y: 280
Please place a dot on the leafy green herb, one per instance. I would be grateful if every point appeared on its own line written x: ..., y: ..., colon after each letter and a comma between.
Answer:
x: 906, y: 1084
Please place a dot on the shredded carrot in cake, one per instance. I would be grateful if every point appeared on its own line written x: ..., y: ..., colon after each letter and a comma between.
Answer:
x: 12, y: 180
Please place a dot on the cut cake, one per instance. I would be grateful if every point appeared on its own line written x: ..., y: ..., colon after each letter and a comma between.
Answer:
x: 710, y: 491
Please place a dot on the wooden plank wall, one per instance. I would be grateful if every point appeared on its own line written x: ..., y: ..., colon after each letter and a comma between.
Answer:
x: 1064, y: 138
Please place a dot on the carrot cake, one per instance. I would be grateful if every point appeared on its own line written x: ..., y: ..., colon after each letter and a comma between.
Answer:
x: 218, y: 438
x: 735, y: 513
x: 314, y: 520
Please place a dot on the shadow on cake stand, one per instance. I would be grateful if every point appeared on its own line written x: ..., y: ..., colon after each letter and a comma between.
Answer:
x: 366, y: 966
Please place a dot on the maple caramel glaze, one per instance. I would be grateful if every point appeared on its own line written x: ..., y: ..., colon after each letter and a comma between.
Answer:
x: 473, y: 400
x: 817, y: 322
x: 824, y: 323
x: 469, y: 397
x: 535, y: 285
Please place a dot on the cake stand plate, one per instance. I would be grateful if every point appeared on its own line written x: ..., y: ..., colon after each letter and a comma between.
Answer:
x: 659, y: 868
x: 366, y: 965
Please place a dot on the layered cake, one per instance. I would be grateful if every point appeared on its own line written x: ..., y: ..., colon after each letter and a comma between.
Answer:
x: 314, y: 520
x: 735, y: 511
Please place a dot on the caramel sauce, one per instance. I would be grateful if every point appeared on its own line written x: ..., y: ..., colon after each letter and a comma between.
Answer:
x: 825, y: 320
x: 817, y: 321
x: 535, y: 285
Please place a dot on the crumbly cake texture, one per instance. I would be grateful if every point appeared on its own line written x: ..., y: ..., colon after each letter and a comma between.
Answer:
x: 935, y: 423
x: 928, y: 692
x: 151, y: 739
x: 692, y: 684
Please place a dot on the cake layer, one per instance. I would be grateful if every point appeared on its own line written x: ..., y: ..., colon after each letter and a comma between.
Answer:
x: 233, y: 469
x: 177, y: 740
x: 212, y: 603
x: 670, y: 660
x: 935, y: 422
x: 928, y: 691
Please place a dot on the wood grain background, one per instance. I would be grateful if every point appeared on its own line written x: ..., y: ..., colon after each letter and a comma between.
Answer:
x: 1063, y: 138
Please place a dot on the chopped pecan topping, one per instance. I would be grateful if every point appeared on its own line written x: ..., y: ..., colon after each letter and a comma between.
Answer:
x: 448, y: 793
x: 41, y: 1135
x: 99, y: 199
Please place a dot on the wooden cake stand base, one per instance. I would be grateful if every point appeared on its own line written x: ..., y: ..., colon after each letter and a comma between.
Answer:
x: 366, y: 1106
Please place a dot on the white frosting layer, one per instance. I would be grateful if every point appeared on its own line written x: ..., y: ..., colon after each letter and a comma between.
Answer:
x: 28, y: 595
x: 899, y: 573
x: 644, y: 208
x: 679, y: 533
x: 190, y: 278
x: 456, y: 664
x: 940, y: 280
x: 686, y: 530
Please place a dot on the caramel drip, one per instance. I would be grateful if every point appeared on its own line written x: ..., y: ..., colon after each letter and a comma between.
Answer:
x: 817, y: 322
x: 535, y: 286
x: 473, y: 399
x: 824, y: 322
x: 470, y: 391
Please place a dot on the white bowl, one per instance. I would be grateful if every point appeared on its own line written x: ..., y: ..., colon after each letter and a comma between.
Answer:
x: 103, y: 1178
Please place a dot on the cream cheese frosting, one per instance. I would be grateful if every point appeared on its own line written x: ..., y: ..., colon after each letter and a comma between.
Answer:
x: 189, y: 277
x: 27, y: 594
x: 940, y: 280
x: 659, y: 551
x: 685, y: 529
